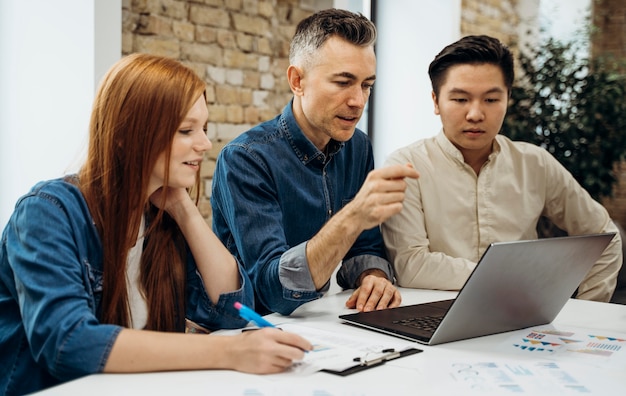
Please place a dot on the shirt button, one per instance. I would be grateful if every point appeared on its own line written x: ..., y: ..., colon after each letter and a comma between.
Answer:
x: 296, y: 295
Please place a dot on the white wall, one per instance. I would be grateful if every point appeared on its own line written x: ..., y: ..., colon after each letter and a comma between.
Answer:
x: 364, y: 7
x: 52, y: 54
x: 410, y: 34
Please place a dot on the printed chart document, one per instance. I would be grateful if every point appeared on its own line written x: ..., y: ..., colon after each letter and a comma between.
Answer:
x: 540, y: 360
x: 567, y: 344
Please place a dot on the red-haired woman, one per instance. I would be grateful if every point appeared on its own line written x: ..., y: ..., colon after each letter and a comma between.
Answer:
x: 104, y: 271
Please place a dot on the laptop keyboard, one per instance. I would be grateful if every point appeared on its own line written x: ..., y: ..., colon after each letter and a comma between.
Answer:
x: 426, y: 323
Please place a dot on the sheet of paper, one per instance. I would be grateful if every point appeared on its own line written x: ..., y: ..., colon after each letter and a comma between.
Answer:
x: 516, y: 377
x: 339, y: 351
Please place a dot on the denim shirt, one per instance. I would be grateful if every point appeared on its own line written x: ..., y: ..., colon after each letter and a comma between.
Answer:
x: 273, y: 190
x: 51, y: 287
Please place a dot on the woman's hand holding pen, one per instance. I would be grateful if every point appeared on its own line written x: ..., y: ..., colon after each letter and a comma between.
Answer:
x: 267, y: 350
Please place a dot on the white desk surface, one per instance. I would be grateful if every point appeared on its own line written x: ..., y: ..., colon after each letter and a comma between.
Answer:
x: 418, y: 374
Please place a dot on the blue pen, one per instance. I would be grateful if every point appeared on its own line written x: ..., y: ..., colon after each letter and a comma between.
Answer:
x: 250, y: 315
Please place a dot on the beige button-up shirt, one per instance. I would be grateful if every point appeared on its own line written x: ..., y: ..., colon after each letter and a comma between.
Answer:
x: 451, y: 215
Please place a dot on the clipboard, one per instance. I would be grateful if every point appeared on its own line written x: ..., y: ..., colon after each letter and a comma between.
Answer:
x: 362, y: 364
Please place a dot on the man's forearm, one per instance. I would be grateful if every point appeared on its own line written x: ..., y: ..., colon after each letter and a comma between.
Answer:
x: 329, y: 246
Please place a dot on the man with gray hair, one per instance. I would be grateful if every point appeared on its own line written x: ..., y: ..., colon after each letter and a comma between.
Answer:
x: 296, y: 196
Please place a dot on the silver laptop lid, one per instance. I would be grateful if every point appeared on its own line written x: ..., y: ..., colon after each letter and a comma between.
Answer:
x: 515, y: 285
x: 520, y: 284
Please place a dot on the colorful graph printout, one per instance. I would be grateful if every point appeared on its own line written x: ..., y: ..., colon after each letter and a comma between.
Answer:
x: 581, y: 346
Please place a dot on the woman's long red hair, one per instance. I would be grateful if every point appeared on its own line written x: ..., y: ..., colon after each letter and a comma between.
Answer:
x: 138, y: 108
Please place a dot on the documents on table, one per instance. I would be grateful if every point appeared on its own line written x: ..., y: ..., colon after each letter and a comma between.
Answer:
x: 565, y: 343
x: 501, y: 376
x: 345, y: 354
x: 542, y: 360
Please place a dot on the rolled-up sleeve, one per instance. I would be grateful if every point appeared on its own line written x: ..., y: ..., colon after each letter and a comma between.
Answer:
x: 352, y: 268
x: 294, y: 271
x: 222, y: 313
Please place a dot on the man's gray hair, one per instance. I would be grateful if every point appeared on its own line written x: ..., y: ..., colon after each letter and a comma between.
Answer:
x: 313, y: 31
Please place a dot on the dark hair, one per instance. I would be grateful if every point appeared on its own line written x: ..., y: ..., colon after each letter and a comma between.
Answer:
x: 313, y: 31
x: 472, y: 50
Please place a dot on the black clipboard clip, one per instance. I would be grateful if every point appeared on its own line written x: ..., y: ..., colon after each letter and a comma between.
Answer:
x: 363, y: 363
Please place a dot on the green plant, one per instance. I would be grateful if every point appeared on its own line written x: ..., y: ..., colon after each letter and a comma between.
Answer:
x: 575, y: 108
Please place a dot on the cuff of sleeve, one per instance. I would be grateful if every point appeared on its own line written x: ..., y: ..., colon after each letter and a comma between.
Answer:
x: 293, y: 270
x: 214, y: 315
x: 352, y: 268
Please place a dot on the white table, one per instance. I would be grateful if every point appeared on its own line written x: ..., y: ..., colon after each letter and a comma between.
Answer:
x: 414, y: 375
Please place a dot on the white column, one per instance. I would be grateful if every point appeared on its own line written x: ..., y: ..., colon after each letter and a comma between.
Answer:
x: 52, y: 54
x: 410, y: 34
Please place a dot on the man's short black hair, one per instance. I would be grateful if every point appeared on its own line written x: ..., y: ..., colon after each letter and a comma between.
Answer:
x: 472, y: 50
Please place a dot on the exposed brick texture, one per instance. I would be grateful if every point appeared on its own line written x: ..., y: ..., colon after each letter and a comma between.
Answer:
x: 609, y: 38
x: 239, y: 47
x: 497, y: 18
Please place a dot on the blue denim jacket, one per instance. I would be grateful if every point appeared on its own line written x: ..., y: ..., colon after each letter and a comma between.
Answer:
x: 272, y: 191
x: 50, y: 291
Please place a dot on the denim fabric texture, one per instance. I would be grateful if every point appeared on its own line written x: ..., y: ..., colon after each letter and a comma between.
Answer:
x: 50, y: 291
x: 273, y: 190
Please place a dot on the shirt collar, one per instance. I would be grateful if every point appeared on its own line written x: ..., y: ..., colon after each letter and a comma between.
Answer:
x: 301, y: 145
x: 451, y: 150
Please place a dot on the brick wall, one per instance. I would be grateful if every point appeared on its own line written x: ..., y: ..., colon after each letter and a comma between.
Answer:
x: 496, y: 18
x: 609, y: 38
x: 240, y: 48
x: 609, y: 19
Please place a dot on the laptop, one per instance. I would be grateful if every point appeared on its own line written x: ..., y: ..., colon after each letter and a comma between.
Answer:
x: 514, y: 285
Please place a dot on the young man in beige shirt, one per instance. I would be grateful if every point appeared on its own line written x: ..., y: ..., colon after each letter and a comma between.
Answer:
x: 478, y: 187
